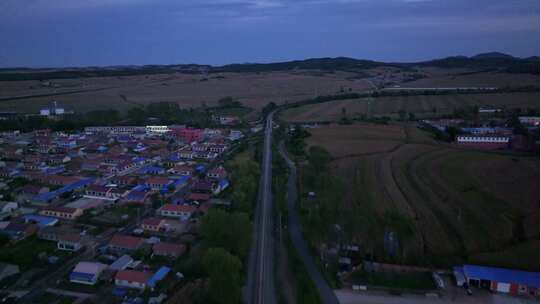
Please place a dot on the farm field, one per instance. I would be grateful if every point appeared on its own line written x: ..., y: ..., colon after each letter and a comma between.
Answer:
x: 421, y: 106
x: 455, y: 78
x: 446, y: 205
x: 252, y: 89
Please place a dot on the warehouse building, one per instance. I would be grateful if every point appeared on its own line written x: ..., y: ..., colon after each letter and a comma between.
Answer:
x: 514, y: 282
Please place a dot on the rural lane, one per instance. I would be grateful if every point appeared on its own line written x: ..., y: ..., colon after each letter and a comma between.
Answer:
x: 260, y: 281
x: 326, y: 293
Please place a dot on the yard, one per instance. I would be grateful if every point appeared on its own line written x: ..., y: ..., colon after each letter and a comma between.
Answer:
x: 414, y: 281
x: 25, y: 253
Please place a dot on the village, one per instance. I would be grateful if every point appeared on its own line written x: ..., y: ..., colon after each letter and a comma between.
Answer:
x: 489, y: 129
x: 107, y: 211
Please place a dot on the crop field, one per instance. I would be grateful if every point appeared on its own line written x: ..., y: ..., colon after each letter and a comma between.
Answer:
x: 450, y: 78
x: 421, y: 106
x: 462, y: 205
x: 252, y: 89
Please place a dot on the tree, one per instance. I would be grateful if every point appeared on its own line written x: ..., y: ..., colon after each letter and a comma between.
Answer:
x: 412, y: 117
x: 319, y: 158
x: 269, y: 108
x: 136, y: 116
x: 228, y: 102
x: 452, y: 132
x: 517, y: 126
x: 231, y: 231
x: 402, y: 115
x: 224, y: 276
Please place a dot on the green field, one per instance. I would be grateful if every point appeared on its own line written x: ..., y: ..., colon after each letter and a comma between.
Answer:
x: 422, y: 106
x: 445, y: 205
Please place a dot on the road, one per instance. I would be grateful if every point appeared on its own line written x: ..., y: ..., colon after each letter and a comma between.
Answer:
x: 260, y: 283
x: 49, y: 279
x: 326, y: 293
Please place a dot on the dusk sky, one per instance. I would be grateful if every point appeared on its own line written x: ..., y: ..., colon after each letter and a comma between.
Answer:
x: 41, y: 33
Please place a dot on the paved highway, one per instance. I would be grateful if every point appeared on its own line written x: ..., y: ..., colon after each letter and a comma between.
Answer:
x: 326, y: 293
x: 260, y: 283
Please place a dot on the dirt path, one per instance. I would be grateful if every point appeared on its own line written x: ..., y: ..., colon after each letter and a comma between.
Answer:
x: 295, y: 230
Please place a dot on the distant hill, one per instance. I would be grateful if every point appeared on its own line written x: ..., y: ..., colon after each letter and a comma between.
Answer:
x: 493, y: 61
x: 324, y: 64
x: 489, y: 61
x: 493, y: 55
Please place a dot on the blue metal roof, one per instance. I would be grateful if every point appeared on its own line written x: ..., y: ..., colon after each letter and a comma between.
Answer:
x: 82, y: 276
x: 158, y: 276
x: 121, y: 263
x: 502, y: 275
x: 141, y: 188
x: 181, y: 180
x: 76, y: 185
x: 223, y: 183
x: 41, y: 220
x: 151, y: 169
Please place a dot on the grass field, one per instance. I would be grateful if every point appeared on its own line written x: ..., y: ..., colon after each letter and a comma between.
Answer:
x: 25, y: 253
x: 253, y: 90
x: 422, y: 106
x: 463, y: 206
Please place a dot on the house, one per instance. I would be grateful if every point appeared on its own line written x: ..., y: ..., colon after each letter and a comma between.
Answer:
x: 157, y: 183
x: 40, y: 220
x: 153, y: 224
x: 87, y: 273
x: 514, y: 282
x: 124, y: 180
x: 189, y: 135
x: 217, y: 173
x: 121, y: 263
x: 198, y: 197
x: 227, y: 120
x: 137, y: 196
x: 33, y: 190
x: 235, y: 135
x: 55, y: 233
x: 168, y: 250
x: 217, y: 148
x: 86, y: 203
x: 132, y: 279
x: 154, y: 170
x: 484, y: 142
x: 69, y: 242
x: 124, y: 167
x: 62, y: 212
x: 7, y: 209
x: 182, y: 169
x: 19, y: 231
x: 125, y: 243
x: 103, y: 192
x: 530, y: 120
x: 182, y: 212
x: 162, y: 272
x: 202, y: 187
x: 186, y: 154
x: 56, y: 180
x: 220, y: 186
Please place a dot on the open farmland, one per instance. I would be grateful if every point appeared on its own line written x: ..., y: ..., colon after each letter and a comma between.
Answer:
x: 462, y: 206
x: 437, y: 77
x: 421, y: 106
x: 252, y: 89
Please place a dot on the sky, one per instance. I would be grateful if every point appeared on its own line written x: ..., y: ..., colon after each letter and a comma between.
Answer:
x: 59, y: 33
